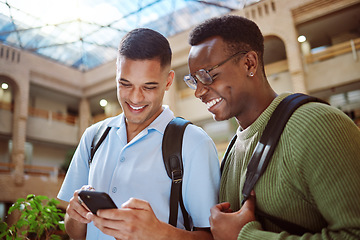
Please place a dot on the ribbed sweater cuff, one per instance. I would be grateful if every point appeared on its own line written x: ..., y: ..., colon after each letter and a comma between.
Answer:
x: 254, y: 231
x: 249, y: 231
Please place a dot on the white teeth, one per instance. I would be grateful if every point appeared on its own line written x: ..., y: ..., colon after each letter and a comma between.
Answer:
x: 213, y: 102
x: 136, y: 108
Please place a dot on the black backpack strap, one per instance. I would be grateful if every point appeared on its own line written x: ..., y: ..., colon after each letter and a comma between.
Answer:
x: 171, y: 149
x: 270, y: 137
x: 231, y: 144
x: 99, y: 137
x: 290, y: 227
x: 266, y: 147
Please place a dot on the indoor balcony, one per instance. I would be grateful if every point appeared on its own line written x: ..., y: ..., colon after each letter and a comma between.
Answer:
x: 333, y: 66
x: 43, y: 125
x: 49, y: 136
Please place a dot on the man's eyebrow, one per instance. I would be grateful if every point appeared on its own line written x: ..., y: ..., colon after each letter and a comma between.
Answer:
x: 147, y: 83
x: 151, y: 83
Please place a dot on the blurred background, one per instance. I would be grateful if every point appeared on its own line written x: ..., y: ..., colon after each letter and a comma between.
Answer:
x: 57, y: 70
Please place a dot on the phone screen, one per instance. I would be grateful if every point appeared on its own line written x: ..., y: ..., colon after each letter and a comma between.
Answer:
x: 96, y: 200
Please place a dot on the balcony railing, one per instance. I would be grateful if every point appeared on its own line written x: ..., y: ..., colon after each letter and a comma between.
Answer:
x: 32, y: 170
x: 333, y: 51
x: 67, y: 118
x: 103, y: 116
x: 6, y: 106
x: 40, y: 113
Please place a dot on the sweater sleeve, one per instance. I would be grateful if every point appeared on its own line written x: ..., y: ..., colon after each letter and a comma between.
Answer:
x: 326, y: 152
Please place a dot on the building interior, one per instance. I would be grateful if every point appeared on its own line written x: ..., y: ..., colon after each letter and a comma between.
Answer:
x: 57, y: 71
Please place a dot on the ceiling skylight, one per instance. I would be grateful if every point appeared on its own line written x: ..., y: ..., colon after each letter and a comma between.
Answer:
x: 84, y: 34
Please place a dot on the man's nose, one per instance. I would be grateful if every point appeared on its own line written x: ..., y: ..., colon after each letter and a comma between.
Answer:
x: 201, y: 89
x: 136, y: 95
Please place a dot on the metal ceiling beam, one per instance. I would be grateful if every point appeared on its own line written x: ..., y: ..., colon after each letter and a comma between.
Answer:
x: 214, y: 4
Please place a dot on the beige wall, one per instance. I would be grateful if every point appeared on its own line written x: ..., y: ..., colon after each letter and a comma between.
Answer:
x: 319, y: 75
x: 52, y: 131
x: 38, y: 185
x: 5, y: 122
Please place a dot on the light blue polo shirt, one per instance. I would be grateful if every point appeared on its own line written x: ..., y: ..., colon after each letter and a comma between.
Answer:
x: 136, y: 169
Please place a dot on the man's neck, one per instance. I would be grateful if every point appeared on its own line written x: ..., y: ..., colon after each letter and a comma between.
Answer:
x: 256, y: 109
x: 133, y: 129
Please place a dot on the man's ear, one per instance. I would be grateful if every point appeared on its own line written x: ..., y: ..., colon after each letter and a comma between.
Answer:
x: 170, y: 79
x: 251, y: 63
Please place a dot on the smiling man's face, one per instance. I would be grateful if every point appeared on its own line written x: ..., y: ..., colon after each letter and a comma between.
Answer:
x: 228, y: 95
x: 141, y: 85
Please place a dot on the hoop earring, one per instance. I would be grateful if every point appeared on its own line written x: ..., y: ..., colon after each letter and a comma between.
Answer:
x: 251, y: 74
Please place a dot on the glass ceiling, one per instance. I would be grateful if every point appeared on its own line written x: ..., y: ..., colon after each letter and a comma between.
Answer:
x: 84, y: 34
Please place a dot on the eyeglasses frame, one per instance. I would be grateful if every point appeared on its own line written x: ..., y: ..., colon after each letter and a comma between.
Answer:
x: 189, y: 76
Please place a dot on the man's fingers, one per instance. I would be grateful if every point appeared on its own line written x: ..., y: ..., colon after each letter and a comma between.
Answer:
x: 221, y: 207
x: 130, y: 211
x: 250, y: 202
x: 120, y: 214
x: 90, y: 216
x: 78, y: 214
x: 107, y: 226
x: 218, y: 210
x: 76, y: 210
x: 135, y: 203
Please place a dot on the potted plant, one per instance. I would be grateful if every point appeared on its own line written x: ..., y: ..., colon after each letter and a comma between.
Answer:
x: 39, y: 219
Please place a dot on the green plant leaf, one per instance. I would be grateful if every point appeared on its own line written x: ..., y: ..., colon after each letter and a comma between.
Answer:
x: 30, y: 196
x: 55, y: 237
x: 3, y: 226
x: 42, y: 198
x: 3, y: 232
x: 39, y: 215
x: 62, y: 225
x: 16, y: 205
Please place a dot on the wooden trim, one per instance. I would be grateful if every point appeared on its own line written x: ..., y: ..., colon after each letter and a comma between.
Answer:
x: 332, y: 51
x: 319, y: 8
x: 34, y: 112
x: 6, y: 106
x: 276, y: 67
x: 30, y: 169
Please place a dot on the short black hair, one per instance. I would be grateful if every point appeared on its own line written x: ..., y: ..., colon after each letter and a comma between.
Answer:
x: 145, y: 44
x: 241, y: 34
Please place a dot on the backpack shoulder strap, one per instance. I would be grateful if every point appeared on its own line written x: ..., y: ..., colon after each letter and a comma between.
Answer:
x: 99, y: 137
x: 270, y: 137
x: 171, y: 150
x: 229, y: 147
x: 265, y: 149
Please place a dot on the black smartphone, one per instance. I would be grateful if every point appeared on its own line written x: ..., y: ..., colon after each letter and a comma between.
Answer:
x: 96, y: 200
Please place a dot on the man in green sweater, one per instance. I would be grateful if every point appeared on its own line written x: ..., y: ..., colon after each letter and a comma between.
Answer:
x: 313, y: 178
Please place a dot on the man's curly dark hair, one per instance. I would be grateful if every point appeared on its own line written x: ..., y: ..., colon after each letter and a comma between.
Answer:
x: 238, y: 32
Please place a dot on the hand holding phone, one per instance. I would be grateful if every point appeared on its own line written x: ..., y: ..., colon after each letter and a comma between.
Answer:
x: 96, y: 200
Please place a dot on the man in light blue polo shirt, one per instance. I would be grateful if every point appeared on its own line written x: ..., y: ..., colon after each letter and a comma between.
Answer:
x: 129, y: 166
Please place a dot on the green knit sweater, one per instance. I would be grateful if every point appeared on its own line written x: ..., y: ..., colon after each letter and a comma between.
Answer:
x: 313, y: 178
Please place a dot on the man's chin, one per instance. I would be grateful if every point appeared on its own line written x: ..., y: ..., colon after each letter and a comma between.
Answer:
x: 219, y: 118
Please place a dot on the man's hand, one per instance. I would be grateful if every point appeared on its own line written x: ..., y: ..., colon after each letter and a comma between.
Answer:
x: 225, y: 224
x: 134, y: 220
x: 76, y: 210
x: 75, y: 218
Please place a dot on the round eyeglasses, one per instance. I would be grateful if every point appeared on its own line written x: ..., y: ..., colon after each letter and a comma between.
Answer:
x: 204, y: 76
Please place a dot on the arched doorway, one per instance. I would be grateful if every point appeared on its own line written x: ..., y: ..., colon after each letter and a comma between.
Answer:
x: 13, y: 126
x: 7, y: 86
x: 276, y: 64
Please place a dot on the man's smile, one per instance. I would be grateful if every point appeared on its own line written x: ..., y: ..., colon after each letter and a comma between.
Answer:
x: 213, y: 102
x: 136, y: 108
